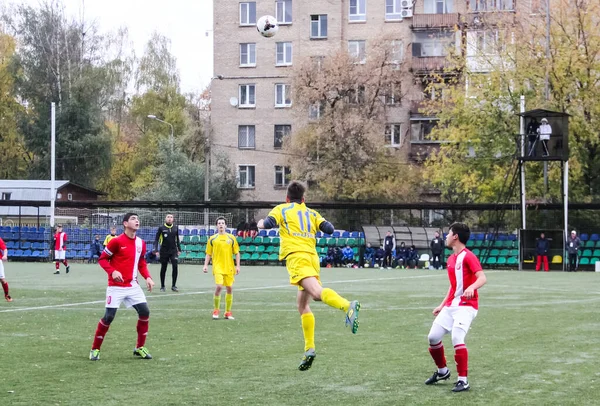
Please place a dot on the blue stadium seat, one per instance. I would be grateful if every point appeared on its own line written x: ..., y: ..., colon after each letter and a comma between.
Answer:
x: 25, y: 245
x: 185, y: 232
x: 36, y: 254
x: 272, y: 233
x: 27, y: 253
x: 346, y: 234
x: 10, y: 245
x: 584, y: 237
x: 336, y: 234
x: 262, y: 233
x: 17, y: 253
x: 211, y: 232
x: 36, y: 246
x: 80, y: 255
x: 15, y: 229
x: 594, y: 237
x: 70, y: 254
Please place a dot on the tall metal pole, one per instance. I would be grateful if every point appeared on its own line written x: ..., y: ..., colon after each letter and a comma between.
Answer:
x: 547, y: 85
x: 521, y: 166
x: 566, y: 201
x: 207, y: 131
x: 52, y: 162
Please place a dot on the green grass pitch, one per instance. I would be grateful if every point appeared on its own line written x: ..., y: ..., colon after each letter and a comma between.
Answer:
x: 535, y: 341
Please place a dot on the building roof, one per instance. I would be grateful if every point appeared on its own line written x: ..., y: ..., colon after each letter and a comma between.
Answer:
x: 36, y: 190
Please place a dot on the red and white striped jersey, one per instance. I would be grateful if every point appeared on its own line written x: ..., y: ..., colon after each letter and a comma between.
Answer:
x: 126, y: 255
x: 60, y: 241
x: 2, y: 247
x: 461, y: 272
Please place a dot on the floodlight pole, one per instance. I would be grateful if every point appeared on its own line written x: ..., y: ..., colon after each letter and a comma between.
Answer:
x: 52, y: 162
x: 521, y: 165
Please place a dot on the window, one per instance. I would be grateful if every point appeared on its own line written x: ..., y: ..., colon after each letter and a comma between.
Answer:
x: 246, y: 176
x: 315, y: 111
x: 248, y: 13
x: 69, y: 196
x: 246, y: 137
x: 397, y: 51
x: 393, y: 135
x: 420, y: 131
x: 6, y: 195
x: 427, y: 44
x: 438, y: 6
x: 318, y: 26
x: 282, y: 95
x: 491, y: 5
x: 283, y: 11
x: 482, y: 42
x: 247, y: 96
x: 358, y: 10
x: 281, y: 131
x: 393, y: 10
x: 317, y: 62
x: 392, y: 94
x: 356, y: 96
x: 357, y: 49
x: 247, y: 54
x: 283, y: 55
x: 282, y: 175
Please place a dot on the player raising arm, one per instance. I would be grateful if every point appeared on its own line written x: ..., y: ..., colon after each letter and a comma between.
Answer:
x: 298, y: 226
x: 458, y: 309
x: 122, y: 259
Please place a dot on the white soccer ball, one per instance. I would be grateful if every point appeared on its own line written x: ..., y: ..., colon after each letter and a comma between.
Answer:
x: 267, y: 26
x: 367, y: 265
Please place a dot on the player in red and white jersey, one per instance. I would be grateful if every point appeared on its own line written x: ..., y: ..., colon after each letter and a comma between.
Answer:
x: 122, y: 259
x: 4, y: 257
x: 60, y: 249
x: 458, y: 309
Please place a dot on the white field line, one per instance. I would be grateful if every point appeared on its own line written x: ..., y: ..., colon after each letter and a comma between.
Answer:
x: 24, y: 309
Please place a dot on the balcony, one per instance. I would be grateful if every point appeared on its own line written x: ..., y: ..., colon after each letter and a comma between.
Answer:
x: 479, y: 20
x: 423, y: 66
x: 429, y: 21
x: 420, y: 152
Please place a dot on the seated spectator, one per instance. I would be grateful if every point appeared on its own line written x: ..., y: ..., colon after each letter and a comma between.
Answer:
x: 252, y: 228
x: 348, y: 256
x: 96, y: 249
x: 369, y: 255
x: 412, y: 257
x: 242, y: 228
x: 152, y: 257
x: 329, y: 259
x: 401, y: 255
x: 338, y: 257
x: 379, y: 257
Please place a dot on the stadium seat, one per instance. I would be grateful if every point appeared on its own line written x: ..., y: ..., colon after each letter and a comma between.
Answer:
x: 260, y: 248
x: 183, y: 255
x: 341, y: 242
x: 594, y: 237
x: 423, y: 259
x: 335, y: 234
x: 502, y: 261
x: 514, y: 252
x: 264, y: 257
x: 345, y: 234
x: 274, y: 258
x: 275, y: 241
x: 255, y: 257
x: 504, y: 253
x: 331, y: 242
x: 589, y: 244
x: 594, y: 260
x: 491, y: 261
x: 202, y: 232
x: 262, y: 233
x: 586, y: 253
x: 557, y: 259
x: 498, y: 244
x: 273, y: 233
x: 470, y: 244
x: 584, y: 261
x: 584, y: 237
x: 475, y: 251
x: 495, y: 252
x: 351, y: 242
x: 194, y: 239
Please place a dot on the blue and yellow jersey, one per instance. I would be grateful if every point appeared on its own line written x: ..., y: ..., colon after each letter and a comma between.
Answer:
x: 298, y: 226
x: 222, y: 247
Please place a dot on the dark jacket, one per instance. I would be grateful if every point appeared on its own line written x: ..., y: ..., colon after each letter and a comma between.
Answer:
x: 96, y: 248
x: 573, y: 245
x: 369, y: 253
x: 380, y: 254
x: 542, y: 245
x: 389, y: 243
x: 401, y: 252
x: 168, y: 239
x: 412, y: 254
x: 437, y: 246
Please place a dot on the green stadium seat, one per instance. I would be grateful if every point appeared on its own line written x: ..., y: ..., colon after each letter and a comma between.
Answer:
x: 254, y: 257
x: 590, y: 244
x: 275, y: 241
x: 504, y: 253
x: 195, y: 248
x: 476, y: 251
x: 491, y: 261
x: 495, y: 252
x: 351, y: 242
x: 498, y: 244
x: 355, y: 250
x: 251, y: 248
x: 478, y: 243
x: 341, y: 242
x: 270, y: 249
x: 186, y: 239
x: 261, y: 249
x: 245, y: 256
x: 502, y: 261
x: 507, y: 244
x: 195, y: 239
x: 183, y: 255
x: 264, y: 257
x: 513, y: 261
x: 514, y: 253
x: 587, y: 253
x: 594, y: 260
x: 321, y: 242
x: 204, y: 239
x: 331, y: 242
x: 192, y: 255
x: 247, y: 240
x: 243, y: 248
x: 584, y: 261
x: 257, y: 240
x: 239, y: 239
x: 596, y: 253
x: 202, y: 256
x: 274, y: 258
x: 470, y: 244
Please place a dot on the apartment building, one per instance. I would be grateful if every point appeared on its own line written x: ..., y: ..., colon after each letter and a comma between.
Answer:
x: 252, y: 109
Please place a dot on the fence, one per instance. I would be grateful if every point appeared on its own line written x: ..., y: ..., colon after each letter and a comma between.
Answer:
x: 25, y: 225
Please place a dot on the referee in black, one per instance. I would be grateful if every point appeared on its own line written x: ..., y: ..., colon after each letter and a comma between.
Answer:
x: 167, y: 237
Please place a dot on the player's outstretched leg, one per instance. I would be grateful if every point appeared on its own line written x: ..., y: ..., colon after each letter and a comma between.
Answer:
x: 142, y: 330
x: 101, y: 330
x: 5, y: 288
x: 308, y: 330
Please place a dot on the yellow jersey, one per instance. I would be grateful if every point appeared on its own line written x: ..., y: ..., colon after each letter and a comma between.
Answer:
x: 108, y: 238
x: 298, y: 226
x: 222, y: 248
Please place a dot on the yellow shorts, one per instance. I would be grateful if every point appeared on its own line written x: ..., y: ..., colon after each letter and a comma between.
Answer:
x: 224, y: 279
x: 301, y: 265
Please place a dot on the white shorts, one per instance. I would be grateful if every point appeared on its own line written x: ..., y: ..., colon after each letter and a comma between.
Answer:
x: 2, y: 269
x: 59, y: 255
x: 456, y: 316
x: 115, y: 295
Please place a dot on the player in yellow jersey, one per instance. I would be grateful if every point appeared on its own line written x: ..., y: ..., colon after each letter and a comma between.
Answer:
x: 221, y: 247
x: 298, y: 226
x: 113, y: 234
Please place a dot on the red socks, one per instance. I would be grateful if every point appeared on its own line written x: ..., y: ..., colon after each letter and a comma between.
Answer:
x: 437, y: 353
x: 100, y: 333
x: 142, y: 330
x: 5, y: 287
x: 461, y: 356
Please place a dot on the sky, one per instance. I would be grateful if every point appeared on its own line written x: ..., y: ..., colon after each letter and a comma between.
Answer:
x: 185, y: 22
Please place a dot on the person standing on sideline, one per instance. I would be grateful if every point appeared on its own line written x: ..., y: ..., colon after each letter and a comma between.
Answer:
x: 113, y: 234
x: 96, y: 249
x: 122, y: 259
x: 167, y: 237
x: 437, y: 248
x: 4, y: 257
x: 458, y: 309
x: 221, y: 247
x: 573, y: 245
x: 298, y: 226
x: 542, y: 246
x: 60, y: 249
x: 389, y: 245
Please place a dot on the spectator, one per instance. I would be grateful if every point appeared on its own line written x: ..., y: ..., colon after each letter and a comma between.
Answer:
x: 573, y: 244
x: 96, y: 249
x: 152, y: 257
x: 412, y: 258
x: 545, y: 132
x: 348, y: 256
x: 379, y: 257
x: 113, y: 234
x: 338, y: 258
x: 369, y: 257
x: 389, y: 245
x: 532, y: 135
x: 401, y: 253
x: 329, y: 259
x: 542, y: 246
x: 253, y: 228
x: 242, y: 228
x: 437, y: 248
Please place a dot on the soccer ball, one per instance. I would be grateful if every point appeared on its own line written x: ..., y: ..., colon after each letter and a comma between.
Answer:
x: 367, y: 265
x: 267, y: 26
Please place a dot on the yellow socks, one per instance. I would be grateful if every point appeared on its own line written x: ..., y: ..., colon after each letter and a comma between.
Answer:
x: 331, y: 298
x: 217, y: 302
x: 308, y: 329
x: 228, y: 301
